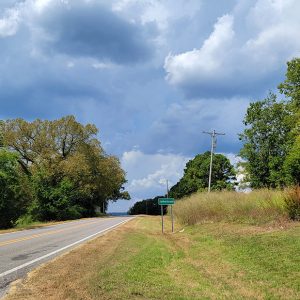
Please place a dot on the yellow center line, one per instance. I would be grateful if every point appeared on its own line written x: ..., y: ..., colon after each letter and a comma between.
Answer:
x: 43, y: 234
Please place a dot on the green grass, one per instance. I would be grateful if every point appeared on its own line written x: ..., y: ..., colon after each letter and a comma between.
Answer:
x: 210, y: 261
x: 257, y: 207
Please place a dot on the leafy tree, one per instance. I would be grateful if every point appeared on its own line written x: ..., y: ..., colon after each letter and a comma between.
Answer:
x: 14, y: 192
x: 266, y: 142
x: 291, y: 85
x: 196, y: 175
x: 291, y: 89
x: 147, y: 207
x: 70, y: 172
x: 292, y: 164
x: 46, y: 141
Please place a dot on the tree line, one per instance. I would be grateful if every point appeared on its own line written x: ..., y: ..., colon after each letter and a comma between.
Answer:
x: 272, y: 135
x: 271, y: 146
x: 54, y: 170
x: 147, y: 207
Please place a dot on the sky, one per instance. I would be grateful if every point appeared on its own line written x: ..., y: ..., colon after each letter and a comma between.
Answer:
x: 150, y: 74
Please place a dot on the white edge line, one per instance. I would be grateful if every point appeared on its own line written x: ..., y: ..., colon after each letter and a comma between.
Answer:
x: 61, y: 249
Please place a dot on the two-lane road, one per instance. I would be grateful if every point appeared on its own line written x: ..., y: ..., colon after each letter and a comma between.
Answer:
x: 22, y: 251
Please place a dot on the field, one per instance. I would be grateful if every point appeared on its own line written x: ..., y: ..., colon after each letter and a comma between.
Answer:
x: 205, y: 261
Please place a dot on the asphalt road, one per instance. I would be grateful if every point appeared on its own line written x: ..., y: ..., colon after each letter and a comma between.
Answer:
x: 22, y: 251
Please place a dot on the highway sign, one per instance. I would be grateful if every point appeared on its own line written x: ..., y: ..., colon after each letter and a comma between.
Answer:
x: 166, y: 201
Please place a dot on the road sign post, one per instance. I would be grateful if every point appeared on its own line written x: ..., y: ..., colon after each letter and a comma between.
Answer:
x: 172, y: 218
x: 162, y: 202
x: 162, y: 219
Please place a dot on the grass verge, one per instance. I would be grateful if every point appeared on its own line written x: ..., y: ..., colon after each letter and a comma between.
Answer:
x: 209, y: 261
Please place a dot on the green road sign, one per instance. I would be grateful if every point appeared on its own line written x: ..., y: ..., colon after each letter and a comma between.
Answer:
x: 166, y: 201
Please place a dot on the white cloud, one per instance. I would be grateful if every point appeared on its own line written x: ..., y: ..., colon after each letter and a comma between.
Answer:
x: 41, y: 5
x: 208, y: 59
x: 9, y: 24
x: 234, y: 158
x: 245, y: 46
x: 147, y: 173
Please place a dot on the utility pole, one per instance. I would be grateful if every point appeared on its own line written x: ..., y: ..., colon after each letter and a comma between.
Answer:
x: 167, y: 188
x: 213, y: 135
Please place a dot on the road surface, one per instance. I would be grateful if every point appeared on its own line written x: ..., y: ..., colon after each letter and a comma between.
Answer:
x: 22, y: 251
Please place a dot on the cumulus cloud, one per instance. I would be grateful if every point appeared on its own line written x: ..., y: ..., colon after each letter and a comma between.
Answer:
x: 209, y: 59
x: 147, y: 173
x: 241, y: 53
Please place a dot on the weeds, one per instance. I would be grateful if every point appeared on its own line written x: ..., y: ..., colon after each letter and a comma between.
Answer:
x: 256, y: 207
x: 292, y: 201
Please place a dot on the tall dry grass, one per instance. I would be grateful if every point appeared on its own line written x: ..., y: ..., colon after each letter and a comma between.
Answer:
x: 292, y: 200
x: 256, y: 207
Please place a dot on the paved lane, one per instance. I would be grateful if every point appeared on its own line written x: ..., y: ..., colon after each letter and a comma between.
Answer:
x: 22, y: 251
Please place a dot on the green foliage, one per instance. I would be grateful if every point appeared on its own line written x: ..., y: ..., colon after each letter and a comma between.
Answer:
x: 266, y: 142
x: 196, y: 175
x: 292, y: 200
x: 147, y: 207
x: 14, y: 194
x: 24, y: 221
x: 271, y: 138
x: 54, y: 200
x: 292, y: 164
x: 69, y: 173
x: 291, y: 86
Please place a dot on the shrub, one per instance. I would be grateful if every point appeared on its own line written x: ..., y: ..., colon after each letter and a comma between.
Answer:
x: 292, y: 200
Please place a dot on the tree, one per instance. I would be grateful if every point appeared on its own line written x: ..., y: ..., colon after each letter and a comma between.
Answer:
x: 292, y: 164
x: 266, y: 142
x: 14, y: 192
x: 291, y: 85
x: 69, y: 171
x: 46, y: 141
x: 196, y: 175
x: 147, y: 207
x: 291, y: 89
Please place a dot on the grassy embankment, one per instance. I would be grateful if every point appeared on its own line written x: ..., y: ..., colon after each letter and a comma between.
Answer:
x: 219, y: 260
x: 257, y: 207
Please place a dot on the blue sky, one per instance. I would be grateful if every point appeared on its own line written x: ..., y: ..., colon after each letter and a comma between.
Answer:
x: 152, y: 74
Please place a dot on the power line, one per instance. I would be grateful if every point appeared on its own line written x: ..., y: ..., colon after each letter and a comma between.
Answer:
x: 213, y: 135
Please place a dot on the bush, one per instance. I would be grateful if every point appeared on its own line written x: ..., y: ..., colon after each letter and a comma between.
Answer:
x: 292, y: 200
x: 24, y: 221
